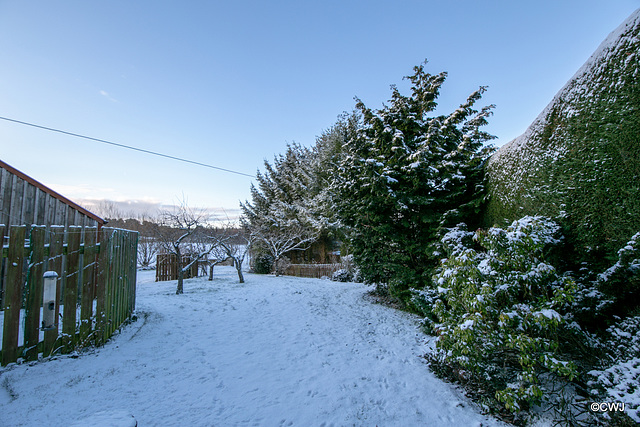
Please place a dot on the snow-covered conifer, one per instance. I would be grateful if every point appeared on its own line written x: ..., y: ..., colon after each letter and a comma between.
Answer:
x: 406, y: 174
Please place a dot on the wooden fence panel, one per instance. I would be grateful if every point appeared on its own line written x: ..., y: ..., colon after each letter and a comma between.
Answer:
x: 167, y: 267
x: 312, y: 270
x: 110, y: 282
x: 13, y: 294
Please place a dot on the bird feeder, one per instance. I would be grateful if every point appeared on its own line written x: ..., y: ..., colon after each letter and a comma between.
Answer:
x: 49, y: 301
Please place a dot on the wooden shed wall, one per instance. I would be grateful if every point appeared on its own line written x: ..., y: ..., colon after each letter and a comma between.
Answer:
x: 24, y: 201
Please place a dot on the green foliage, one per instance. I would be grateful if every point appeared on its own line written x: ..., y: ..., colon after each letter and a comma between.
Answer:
x: 612, y: 294
x: 496, y: 313
x: 404, y: 176
x: 263, y: 264
x: 292, y: 205
x: 578, y: 162
x: 622, y: 280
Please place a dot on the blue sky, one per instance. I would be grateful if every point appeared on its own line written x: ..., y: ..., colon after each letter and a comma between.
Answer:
x: 231, y: 83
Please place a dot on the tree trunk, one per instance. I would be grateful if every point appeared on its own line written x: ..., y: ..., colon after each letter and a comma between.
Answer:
x: 275, y: 264
x: 180, y: 288
x: 239, y: 269
x: 211, y: 271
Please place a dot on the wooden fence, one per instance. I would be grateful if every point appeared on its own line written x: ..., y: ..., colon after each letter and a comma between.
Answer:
x: 167, y: 267
x: 312, y: 270
x: 95, y: 288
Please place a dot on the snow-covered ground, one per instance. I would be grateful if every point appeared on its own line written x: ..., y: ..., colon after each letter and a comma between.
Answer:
x: 275, y: 351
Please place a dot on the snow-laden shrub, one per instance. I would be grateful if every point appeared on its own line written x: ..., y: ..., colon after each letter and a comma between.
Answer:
x: 349, y: 271
x: 620, y: 380
x: 342, y: 275
x: 263, y: 264
x: 622, y: 280
x: 496, y: 308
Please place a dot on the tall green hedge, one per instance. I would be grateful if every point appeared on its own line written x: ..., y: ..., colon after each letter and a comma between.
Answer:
x: 579, y: 162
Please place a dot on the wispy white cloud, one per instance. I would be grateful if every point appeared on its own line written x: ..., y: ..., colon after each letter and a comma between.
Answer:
x: 106, y: 95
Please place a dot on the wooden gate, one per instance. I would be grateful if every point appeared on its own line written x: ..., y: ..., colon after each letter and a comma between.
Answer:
x: 167, y: 267
x: 96, y: 288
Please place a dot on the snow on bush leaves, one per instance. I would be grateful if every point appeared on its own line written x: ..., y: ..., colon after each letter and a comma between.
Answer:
x: 620, y: 380
x: 496, y: 307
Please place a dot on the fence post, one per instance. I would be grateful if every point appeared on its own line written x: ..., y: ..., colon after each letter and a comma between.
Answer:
x: 34, y: 294
x: 13, y: 295
x: 55, y: 264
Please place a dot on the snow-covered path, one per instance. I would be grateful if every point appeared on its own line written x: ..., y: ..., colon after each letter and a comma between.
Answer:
x: 271, y: 352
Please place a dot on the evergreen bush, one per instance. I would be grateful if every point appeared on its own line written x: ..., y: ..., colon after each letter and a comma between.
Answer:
x: 496, y: 308
x: 405, y: 174
x: 263, y: 264
x: 342, y: 275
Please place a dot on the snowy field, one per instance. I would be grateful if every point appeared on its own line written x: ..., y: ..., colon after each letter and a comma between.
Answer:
x: 279, y: 351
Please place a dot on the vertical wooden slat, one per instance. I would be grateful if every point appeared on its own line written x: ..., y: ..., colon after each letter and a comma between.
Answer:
x: 124, y: 300
x: 13, y: 295
x: 132, y: 262
x: 74, y: 235
x: 50, y: 210
x: 102, y: 276
x: 88, y: 280
x: 115, y: 282
x: 5, y: 202
x: 29, y: 205
x: 40, y: 218
x: 118, y: 295
x: 60, y: 212
x: 134, y: 273
x: 69, y: 215
x: 34, y: 294
x: 108, y: 307
x: 15, y: 208
x: 55, y: 264
x: 129, y: 236
x: 123, y: 280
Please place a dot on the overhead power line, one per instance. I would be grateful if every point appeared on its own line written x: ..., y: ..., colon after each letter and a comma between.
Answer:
x: 127, y: 146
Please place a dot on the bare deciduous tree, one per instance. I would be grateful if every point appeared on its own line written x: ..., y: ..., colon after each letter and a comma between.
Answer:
x: 231, y: 242
x: 147, y: 251
x: 181, y: 233
x: 279, y: 241
x: 237, y: 251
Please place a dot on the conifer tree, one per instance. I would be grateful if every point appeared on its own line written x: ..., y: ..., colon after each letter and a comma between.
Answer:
x: 277, y: 219
x: 405, y: 176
